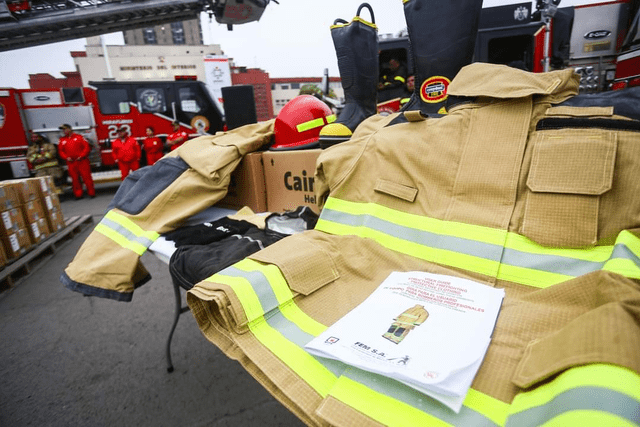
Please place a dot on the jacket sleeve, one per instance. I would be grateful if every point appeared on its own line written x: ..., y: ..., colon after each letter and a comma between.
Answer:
x: 86, y: 148
x: 62, y: 149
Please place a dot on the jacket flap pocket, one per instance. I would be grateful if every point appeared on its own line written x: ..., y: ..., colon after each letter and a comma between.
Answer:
x: 573, y: 161
x: 400, y: 191
x: 306, y: 266
x: 608, y: 334
x: 501, y: 81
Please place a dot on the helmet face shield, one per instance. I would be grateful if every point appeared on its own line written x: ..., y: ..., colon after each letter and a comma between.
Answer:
x: 299, y: 123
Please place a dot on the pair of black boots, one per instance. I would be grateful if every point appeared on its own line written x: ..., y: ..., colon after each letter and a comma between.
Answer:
x: 442, y: 37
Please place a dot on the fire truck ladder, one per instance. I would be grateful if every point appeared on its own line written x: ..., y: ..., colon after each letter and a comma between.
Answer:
x: 49, y: 21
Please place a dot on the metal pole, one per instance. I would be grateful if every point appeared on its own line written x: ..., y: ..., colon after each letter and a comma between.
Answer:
x: 547, y: 38
x: 106, y: 58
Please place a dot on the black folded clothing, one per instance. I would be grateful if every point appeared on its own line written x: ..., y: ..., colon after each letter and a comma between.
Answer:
x: 193, y: 263
x: 208, y: 232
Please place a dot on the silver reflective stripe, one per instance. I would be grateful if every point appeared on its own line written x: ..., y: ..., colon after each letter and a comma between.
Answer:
x: 126, y: 233
x: 513, y: 257
x: 579, y: 399
x: 421, y: 237
x: 276, y: 319
x: 415, y: 399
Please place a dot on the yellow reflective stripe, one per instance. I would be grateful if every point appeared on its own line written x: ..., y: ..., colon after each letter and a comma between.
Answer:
x: 131, y: 226
x: 521, y: 243
x: 296, y: 358
x: 621, y: 257
x: 331, y: 118
x: 596, y: 375
x: 399, y: 78
x: 120, y: 239
x: 380, y: 407
x: 284, y: 296
x: 492, y: 408
x: 625, y: 267
x: 537, y: 278
x: 440, y: 256
x: 456, y: 229
x: 588, y: 419
x: 273, y: 275
x: 244, y: 291
x: 311, y: 124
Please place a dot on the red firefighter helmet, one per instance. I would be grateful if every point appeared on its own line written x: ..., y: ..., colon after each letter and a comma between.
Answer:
x: 299, y: 122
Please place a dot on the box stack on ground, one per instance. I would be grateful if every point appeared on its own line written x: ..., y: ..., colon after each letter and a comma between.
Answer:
x: 30, y: 212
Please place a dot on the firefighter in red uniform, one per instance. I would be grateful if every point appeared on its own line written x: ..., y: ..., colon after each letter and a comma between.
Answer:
x: 177, y: 138
x: 74, y: 149
x: 152, y: 147
x: 126, y: 152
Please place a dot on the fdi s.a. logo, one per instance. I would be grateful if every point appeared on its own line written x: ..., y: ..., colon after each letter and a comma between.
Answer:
x: 434, y: 89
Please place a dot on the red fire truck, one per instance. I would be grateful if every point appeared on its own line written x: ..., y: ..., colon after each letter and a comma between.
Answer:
x: 96, y: 112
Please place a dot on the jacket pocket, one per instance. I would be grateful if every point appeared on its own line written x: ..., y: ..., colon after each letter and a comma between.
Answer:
x: 570, y: 170
x: 305, y: 265
x: 393, y: 189
x: 150, y: 184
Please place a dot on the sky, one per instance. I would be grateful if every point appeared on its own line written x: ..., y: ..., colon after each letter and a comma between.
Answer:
x: 292, y: 39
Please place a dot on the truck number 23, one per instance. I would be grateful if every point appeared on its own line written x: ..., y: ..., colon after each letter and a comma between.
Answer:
x: 113, y: 130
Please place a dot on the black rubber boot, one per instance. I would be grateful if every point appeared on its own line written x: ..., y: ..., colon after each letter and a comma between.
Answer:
x: 442, y: 36
x: 356, y: 45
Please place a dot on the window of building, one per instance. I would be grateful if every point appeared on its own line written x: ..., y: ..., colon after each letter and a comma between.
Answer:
x: 295, y: 85
x: 151, y: 100
x: 284, y: 87
x: 273, y: 86
x: 177, y: 32
x: 149, y: 36
x: 113, y: 101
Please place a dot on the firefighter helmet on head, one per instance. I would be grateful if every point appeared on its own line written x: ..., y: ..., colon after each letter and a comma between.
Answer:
x: 298, y: 124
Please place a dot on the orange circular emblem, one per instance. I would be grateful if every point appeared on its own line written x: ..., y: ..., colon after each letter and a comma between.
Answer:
x: 434, y: 89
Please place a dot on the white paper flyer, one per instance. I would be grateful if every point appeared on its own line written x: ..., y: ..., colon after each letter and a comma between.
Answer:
x: 428, y: 331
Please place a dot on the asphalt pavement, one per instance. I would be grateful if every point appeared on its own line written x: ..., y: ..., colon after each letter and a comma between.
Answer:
x: 70, y: 360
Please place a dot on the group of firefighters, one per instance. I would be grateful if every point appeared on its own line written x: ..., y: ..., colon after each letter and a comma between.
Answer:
x: 74, y: 149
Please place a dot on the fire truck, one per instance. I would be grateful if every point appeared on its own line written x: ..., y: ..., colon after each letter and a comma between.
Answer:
x: 97, y: 112
x: 601, y: 41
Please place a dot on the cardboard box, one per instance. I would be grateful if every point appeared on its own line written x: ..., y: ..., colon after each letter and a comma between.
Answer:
x: 38, y: 230
x: 47, y: 185
x: 8, y: 197
x: 51, y: 203
x: 55, y: 221
x: 17, y: 243
x: 289, y: 179
x: 33, y: 211
x: 27, y: 189
x: 247, y: 186
x: 11, y: 221
x: 3, y: 257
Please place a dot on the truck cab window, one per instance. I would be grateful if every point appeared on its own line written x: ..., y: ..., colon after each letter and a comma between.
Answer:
x: 113, y: 101
x: 190, y: 102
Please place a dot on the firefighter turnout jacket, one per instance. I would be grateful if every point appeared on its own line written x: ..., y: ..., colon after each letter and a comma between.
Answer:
x: 515, y: 188
x: 154, y: 200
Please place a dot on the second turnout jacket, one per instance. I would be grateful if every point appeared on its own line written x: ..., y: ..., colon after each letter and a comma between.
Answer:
x: 154, y: 200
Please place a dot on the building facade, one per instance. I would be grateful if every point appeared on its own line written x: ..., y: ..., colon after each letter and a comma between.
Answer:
x: 148, y: 62
x: 47, y: 81
x: 174, y: 33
